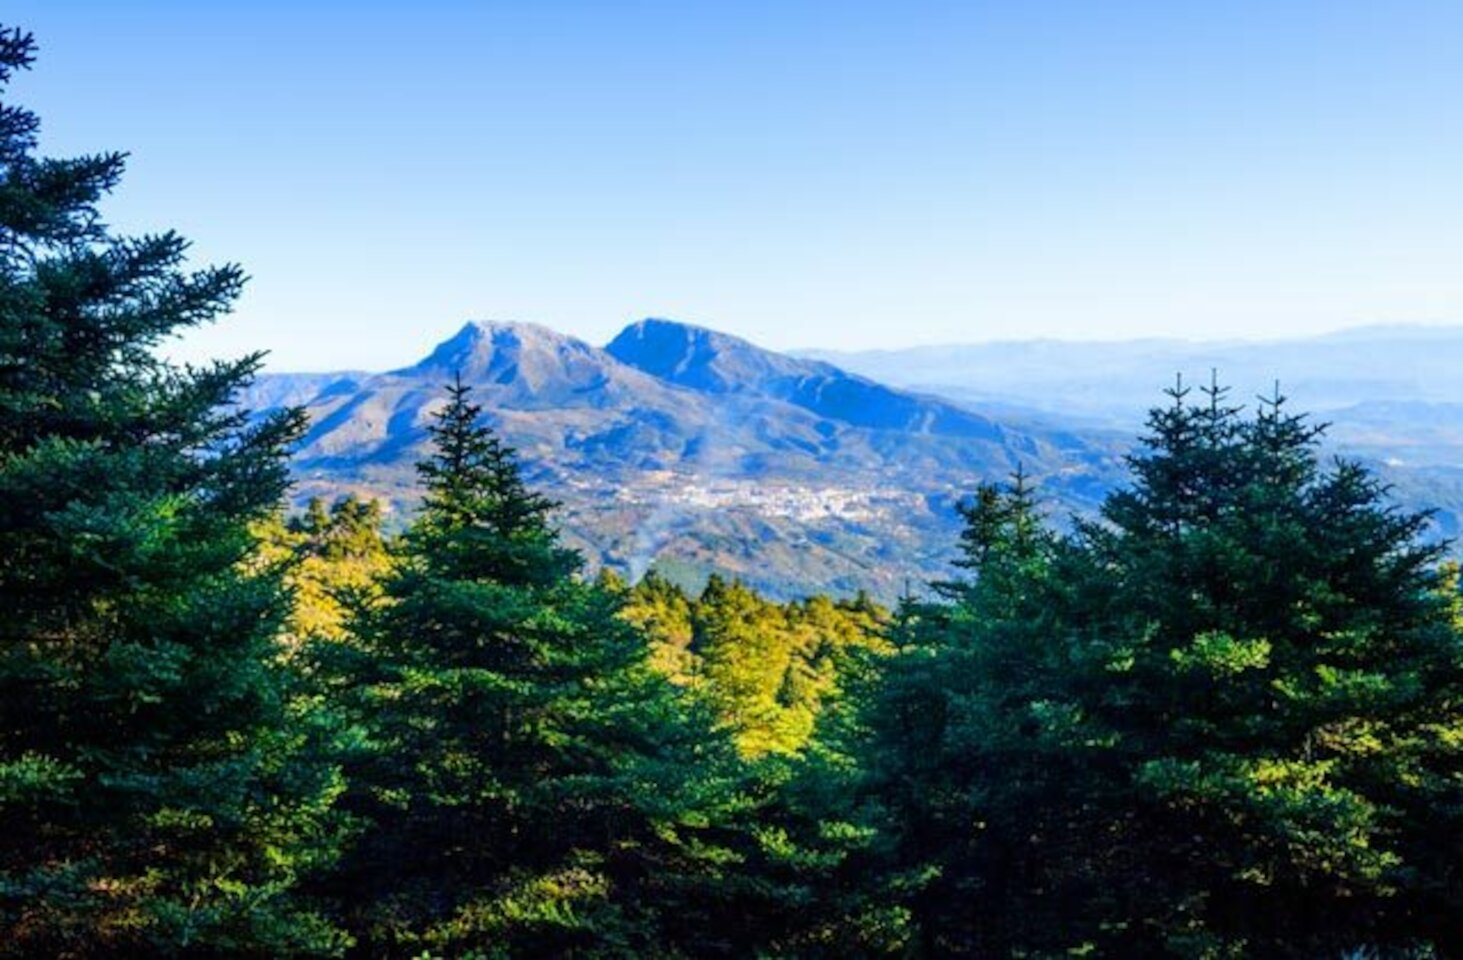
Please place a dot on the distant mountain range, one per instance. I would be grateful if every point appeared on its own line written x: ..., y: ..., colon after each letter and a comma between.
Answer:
x: 1117, y: 381
x: 1392, y: 394
x: 698, y: 451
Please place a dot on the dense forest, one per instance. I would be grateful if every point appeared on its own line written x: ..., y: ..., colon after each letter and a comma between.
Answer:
x: 1224, y: 718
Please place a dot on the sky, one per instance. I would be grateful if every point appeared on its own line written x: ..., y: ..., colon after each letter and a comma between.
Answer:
x: 805, y: 174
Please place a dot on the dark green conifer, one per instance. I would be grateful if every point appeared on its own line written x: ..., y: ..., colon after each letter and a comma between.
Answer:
x: 1222, y: 720
x: 935, y: 735
x: 534, y: 787
x: 155, y: 796
x: 1281, y: 693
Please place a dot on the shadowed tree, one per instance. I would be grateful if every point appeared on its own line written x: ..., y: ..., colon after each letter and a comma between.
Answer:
x: 1223, y: 720
x: 534, y: 786
x: 156, y: 792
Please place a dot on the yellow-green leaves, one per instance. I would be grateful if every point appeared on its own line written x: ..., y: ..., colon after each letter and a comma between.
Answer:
x: 1221, y: 655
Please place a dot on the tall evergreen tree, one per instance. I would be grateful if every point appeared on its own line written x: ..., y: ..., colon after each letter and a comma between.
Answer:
x: 947, y: 722
x: 534, y: 787
x: 1223, y: 720
x: 1282, y: 696
x: 154, y: 797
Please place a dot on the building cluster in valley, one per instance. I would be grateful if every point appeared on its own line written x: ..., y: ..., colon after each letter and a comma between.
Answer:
x: 781, y: 499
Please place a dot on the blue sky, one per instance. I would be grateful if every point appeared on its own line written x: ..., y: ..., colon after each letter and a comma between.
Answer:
x: 801, y: 173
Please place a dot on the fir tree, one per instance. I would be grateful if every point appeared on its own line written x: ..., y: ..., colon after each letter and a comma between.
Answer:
x: 534, y: 787
x: 935, y: 738
x: 478, y: 511
x: 1282, y: 692
x: 154, y: 796
x: 1222, y: 720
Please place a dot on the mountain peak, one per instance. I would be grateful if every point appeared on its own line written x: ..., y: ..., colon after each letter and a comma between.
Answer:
x: 719, y: 363
x: 652, y: 327
x: 507, y: 334
x: 661, y: 328
x: 521, y: 328
x: 697, y: 357
x: 482, y: 349
x: 522, y: 365
x: 835, y: 473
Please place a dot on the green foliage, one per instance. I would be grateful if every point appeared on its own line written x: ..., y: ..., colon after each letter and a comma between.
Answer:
x: 1223, y: 720
x: 333, y: 558
x: 157, y: 791
x: 664, y: 614
x: 533, y: 786
x: 765, y: 668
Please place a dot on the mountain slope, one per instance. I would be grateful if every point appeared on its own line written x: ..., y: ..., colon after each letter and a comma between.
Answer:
x: 702, y: 452
x: 1390, y: 393
x: 1119, y: 380
x: 718, y: 363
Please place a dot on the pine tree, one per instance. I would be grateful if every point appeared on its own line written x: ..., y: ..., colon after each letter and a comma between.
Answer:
x: 1222, y: 720
x: 157, y: 796
x: 1283, y: 692
x: 947, y: 721
x: 534, y: 787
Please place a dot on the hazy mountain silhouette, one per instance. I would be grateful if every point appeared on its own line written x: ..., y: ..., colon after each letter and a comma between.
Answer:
x: 1391, y: 394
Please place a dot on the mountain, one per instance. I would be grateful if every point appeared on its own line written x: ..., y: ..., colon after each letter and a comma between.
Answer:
x: 1116, y: 381
x: 701, y: 452
x: 531, y: 367
x: 272, y: 390
x: 1391, y: 394
x: 718, y: 363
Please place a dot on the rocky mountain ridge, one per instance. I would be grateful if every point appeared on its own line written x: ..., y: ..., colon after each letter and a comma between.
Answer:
x: 701, y: 452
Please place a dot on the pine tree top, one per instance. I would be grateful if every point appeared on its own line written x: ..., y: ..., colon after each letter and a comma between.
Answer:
x: 477, y: 498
